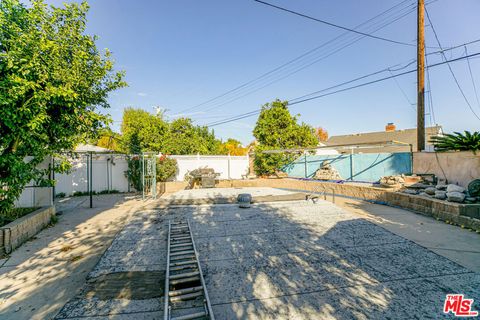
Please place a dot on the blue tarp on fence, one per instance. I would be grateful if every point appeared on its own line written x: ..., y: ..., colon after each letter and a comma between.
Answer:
x: 368, y: 167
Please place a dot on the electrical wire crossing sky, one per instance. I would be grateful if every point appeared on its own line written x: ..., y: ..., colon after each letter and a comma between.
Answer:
x: 217, y: 60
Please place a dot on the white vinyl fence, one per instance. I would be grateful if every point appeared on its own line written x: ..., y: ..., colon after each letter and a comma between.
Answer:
x: 229, y: 167
x: 109, y: 174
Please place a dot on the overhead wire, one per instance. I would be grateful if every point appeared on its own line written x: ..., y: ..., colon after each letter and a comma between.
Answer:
x: 251, y: 113
x: 307, y: 64
x: 430, y: 98
x: 450, y: 68
x: 471, y: 77
x: 334, y: 24
x: 302, y: 56
x: 302, y: 67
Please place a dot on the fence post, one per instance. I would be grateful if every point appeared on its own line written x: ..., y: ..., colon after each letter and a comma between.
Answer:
x: 351, y: 164
x: 305, y: 156
x: 90, y: 179
x: 228, y: 162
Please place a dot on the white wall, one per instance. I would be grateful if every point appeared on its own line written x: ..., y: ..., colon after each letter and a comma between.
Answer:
x: 106, y: 175
x: 35, y: 196
x: 229, y: 167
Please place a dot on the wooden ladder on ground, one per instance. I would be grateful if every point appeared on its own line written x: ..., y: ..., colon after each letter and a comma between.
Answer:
x: 186, y: 295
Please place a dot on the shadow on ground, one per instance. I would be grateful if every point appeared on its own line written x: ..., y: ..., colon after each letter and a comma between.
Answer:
x: 306, y: 261
x: 43, y: 274
x: 283, y: 260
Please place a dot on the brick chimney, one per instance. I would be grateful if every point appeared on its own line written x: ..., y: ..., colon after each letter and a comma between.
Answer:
x: 390, y: 127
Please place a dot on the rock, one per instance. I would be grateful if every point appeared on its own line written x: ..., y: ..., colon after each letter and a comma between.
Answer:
x: 419, y: 186
x: 410, y: 191
x: 430, y: 190
x: 424, y: 194
x: 327, y: 172
x: 474, y: 187
x: 440, y: 194
x: 441, y: 187
x: 455, y: 196
x: 471, y: 199
x: 455, y: 188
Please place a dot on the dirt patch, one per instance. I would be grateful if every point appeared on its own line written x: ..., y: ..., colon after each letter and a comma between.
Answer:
x: 134, y: 285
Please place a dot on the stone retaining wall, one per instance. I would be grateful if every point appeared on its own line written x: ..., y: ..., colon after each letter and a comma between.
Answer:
x: 14, y: 234
x: 346, y: 189
x: 466, y: 215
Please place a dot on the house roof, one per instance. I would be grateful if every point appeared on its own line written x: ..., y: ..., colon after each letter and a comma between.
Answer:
x: 406, y: 135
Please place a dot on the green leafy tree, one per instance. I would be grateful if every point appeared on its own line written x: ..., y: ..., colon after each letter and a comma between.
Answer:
x: 457, y: 142
x: 53, y: 84
x: 186, y: 138
x: 142, y: 131
x: 276, y: 128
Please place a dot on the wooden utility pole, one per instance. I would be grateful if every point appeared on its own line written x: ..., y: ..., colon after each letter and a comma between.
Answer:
x: 421, y: 76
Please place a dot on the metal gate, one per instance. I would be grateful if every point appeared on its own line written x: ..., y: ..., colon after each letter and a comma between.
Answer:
x: 149, y: 175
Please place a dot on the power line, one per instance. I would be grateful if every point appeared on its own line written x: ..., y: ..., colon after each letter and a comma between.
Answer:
x: 302, y: 67
x: 251, y: 113
x: 450, y: 68
x: 430, y: 98
x: 410, y: 103
x: 238, y: 95
x: 334, y: 25
x: 297, y: 59
x: 471, y: 76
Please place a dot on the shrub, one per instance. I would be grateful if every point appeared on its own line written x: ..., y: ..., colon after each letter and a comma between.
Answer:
x: 166, y: 168
x: 108, y: 191
x: 60, y: 195
x: 457, y: 142
x: 134, y: 172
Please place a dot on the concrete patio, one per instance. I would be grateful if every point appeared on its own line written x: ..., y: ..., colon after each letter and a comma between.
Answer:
x: 283, y: 260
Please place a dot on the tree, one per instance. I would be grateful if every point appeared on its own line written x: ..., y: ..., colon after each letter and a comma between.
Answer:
x: 276, y: 128
x: 322, y: 134
x: 186, y: 138
x: 53, y: 84
x: 457, y: 142
x: 233, y: 147
x: 142, y: 131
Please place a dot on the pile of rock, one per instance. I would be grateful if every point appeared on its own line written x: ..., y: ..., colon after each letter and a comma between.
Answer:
x: 327, y: 172
x: 450, y: 192
x: 392, y: 181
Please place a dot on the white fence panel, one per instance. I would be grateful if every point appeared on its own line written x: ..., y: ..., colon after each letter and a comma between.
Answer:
x: 229, y: 167
x: 106, y: 175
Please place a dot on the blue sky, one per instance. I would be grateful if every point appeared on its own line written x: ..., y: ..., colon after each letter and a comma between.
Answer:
x: 178, y: 54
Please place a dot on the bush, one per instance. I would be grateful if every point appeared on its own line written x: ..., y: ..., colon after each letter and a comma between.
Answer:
x: 134, y: 172
x: 13, y: 214
x: 457, y: 142
x: 60, y: 195
x: 108, y: 191
x: 82, y: 193
x: 166, y: 168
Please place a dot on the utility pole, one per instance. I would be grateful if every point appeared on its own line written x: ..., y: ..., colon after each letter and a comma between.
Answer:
x: 421, y: 75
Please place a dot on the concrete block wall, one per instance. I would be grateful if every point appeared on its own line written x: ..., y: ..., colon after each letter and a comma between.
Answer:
x: 467, y: 215
x: 14, y: 234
